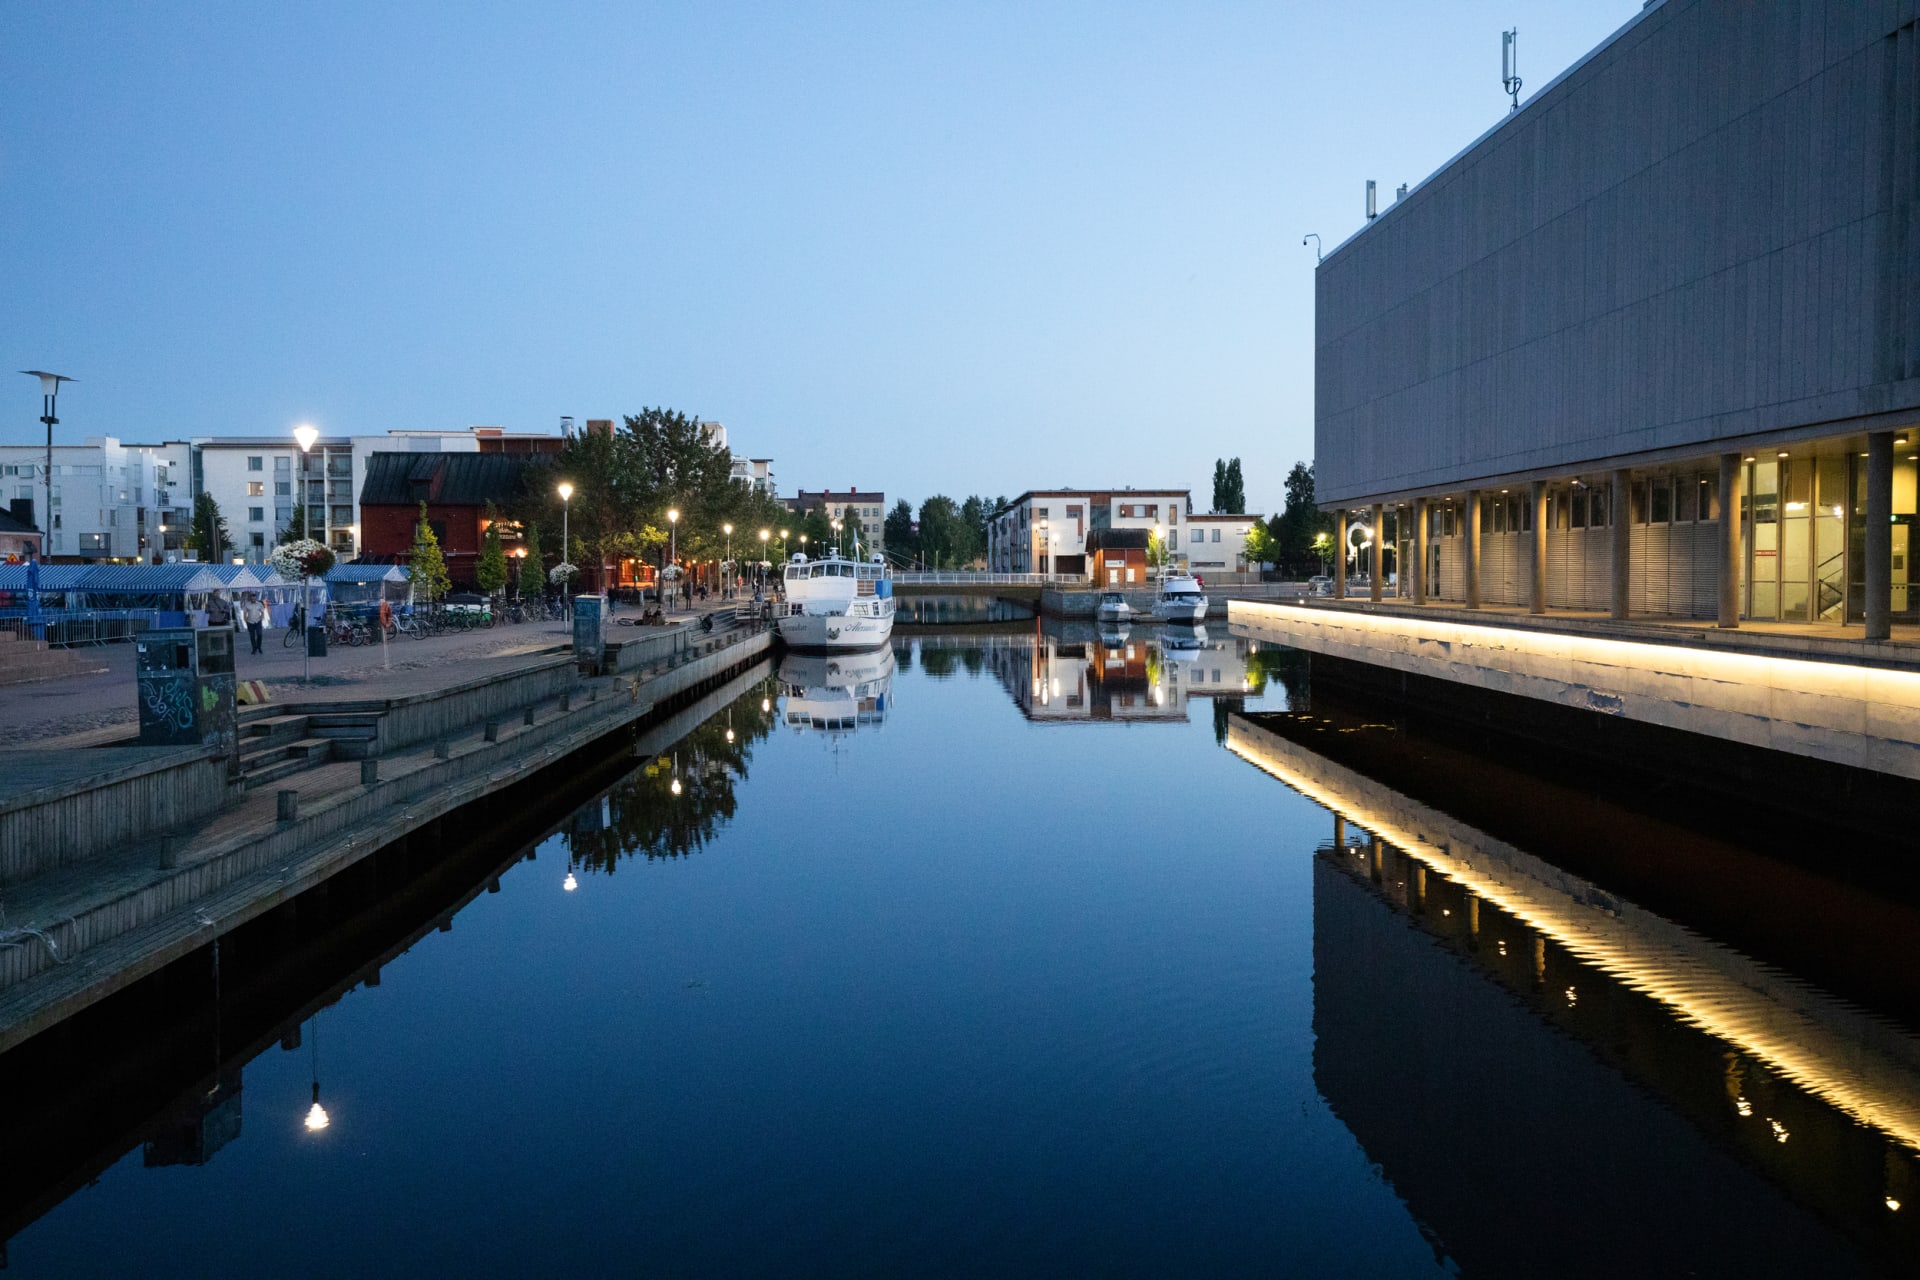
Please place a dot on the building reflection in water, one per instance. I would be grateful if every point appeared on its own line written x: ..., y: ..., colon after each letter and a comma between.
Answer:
x: 1556, y: 1078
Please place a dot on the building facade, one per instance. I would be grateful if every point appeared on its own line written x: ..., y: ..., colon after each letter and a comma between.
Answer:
x: 1218, y: 543
x: 109, y: 500
x: 1046, y: 530
x: 1652, y: 343
x: 855, y: 507
x: 455, y: 488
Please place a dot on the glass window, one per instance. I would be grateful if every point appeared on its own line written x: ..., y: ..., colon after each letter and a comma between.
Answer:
x: 1074, y: 513
x: 1709, y: 497
x: 1686, y: 499
x: 1216, y: 535
x: 256, y: 489
x: 1153, y: 511
x: 1660, y: 501
x: 1600, y: 514
x: 259, y: 542
x: 256, y: 514
x: 281, y: 462
x: 257, y: 463
x: 1577, y: 508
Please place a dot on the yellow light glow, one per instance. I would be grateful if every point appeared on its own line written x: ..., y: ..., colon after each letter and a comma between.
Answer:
x: 317, y: 1118
x: 673, y: 515
x: 766, y: 705
x: 727, y: 529
x: 1802, y: 1035
x: 565, y: 491
x: 569, y: 884
x: 1893, y: 1204
x: 674, y: 786
x: 729, y: 735
x: 305, y: 435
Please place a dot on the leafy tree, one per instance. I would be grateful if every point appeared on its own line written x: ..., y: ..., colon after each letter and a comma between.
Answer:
x: 902, y: 541
x: 1156, y: 550
x: 296, y: 525
x: 429, y: 566
x: 1300, y: 522
x: 207, y: 532
x: 975, y: 513
x: 1219, y: 485
x: 491, y: 572
x: 1262, y: 547
x: 532, y: 578
x: 1229, y: 487
x: 946, y: 538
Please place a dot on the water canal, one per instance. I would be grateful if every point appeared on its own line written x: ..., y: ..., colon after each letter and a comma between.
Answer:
x: 1032, y: 953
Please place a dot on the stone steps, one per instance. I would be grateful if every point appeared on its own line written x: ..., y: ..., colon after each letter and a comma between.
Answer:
x: 24, y: 661
x: 273, y: 763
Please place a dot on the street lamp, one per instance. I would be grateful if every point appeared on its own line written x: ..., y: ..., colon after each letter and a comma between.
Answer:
x: 673, y: 538
x: 764, y: 535
x: 1043, y: 547
x: 783, y: 546
x: 304, y: 435
x: 566, y: 513
x: 49, y: 396
x: 836, y: 536
x: 726, y: 590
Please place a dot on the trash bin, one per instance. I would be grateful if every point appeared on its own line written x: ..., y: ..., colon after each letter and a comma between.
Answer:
x: 185, y: 683
x: 316, y: 641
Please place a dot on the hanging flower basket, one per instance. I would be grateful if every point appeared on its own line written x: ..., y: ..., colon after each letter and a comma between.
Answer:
x: 302, y: 558
x: 561, y: 572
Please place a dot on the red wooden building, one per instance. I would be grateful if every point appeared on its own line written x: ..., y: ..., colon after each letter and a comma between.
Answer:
x: 456, y: 488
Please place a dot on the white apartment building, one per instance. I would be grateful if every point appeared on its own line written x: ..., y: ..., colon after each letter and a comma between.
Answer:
x: 1218, y: 543
x: 109, y: 499
x: 1045, y: 530
x: 862, y: 511
x: 756, y: 474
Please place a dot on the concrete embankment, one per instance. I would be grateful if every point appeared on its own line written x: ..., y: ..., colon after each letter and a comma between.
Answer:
x: 83, y: 926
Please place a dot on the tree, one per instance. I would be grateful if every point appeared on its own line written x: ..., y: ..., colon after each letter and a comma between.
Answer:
x: 1261, y: 545
x: 491, y: 572
x: 976, y: 513
x: 532, y: 579
x: 1229, y: 488
x: 945, y: 537
x: 296, y: 525
x: 902, y: 541
x: 1300, y: 523
x: 207, y: 533
x: 429, y: 566
x: 1156, y: 550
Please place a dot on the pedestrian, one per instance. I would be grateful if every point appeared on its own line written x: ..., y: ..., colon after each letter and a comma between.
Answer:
x: 254, y: 614
x: 219, y: 612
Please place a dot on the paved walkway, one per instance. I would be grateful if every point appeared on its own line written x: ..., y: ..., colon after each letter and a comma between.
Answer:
x: 35, y: 714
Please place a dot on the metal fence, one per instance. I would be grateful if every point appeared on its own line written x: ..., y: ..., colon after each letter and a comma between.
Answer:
x: 959, y: 577
x: 70, y: 628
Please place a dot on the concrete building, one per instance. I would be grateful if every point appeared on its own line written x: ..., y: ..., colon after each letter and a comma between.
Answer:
x: 18, y: 539
x: 1218, y: 543
x: 854, y: 506
x: 1045, y: 530
x: 1651, y: 345
x: 109, y: 499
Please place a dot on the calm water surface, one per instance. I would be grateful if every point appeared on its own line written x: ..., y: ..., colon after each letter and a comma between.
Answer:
x: 1024, y: 955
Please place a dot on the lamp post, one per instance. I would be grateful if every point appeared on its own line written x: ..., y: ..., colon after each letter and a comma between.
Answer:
x: 1044, y: 536
x: 783, y: 546
x: 305, y: 435
x: 49, y: 396
x: 566, y: 513
x: 673, y: 540
x: 836, y: 536
x: 764, y: 535
x: 726, y: 575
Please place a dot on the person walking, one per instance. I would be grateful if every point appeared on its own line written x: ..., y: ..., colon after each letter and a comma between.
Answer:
x: 254, y: 613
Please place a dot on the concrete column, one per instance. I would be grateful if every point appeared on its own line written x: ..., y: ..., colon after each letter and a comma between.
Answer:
x: 1473, y: 548
x: 1537, y: 577
x: 1622, y: 531
x: 1340, y: 554
x: 1377, y: 554
x: 1730, y: 540
x: 1377, y: 858
x: 1421, y: 554
x: 1339, y: 832
x: 1879, y: 564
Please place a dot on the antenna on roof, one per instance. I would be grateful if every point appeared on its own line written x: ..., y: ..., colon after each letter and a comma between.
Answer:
x: 1373, y: 203
x: 1510, y: 64
x: 1315, y: 237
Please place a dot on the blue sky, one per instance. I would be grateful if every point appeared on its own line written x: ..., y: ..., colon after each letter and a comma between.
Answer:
x: 960, y: 248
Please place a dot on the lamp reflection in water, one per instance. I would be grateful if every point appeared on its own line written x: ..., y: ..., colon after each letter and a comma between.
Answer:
x: 316, y: 1114
x: 570, y: 884
x: 674, y: 786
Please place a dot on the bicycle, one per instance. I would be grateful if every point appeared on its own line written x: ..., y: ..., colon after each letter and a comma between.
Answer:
x: 296, y: 633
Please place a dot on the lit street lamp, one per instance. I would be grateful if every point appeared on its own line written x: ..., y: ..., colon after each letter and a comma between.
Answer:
x: 837, y: 545
x: 764, y: 535
x: 726, y: 588
x: 49, y: 396
x: 305, y: 435
x: 783, y: 546
x: 566, y: 512
x: 673, y: 540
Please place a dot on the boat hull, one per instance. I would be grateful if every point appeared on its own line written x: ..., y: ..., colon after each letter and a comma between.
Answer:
x: 832, y: 632
x: 1183, y: 612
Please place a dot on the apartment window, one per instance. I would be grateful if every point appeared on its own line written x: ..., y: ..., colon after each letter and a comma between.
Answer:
x: 1173, y: 513
x: 259, y: 541
x: 1216, y: 535
x: 1662, y: 503
x: 1173, y: 540
x: 257, y: 463
x: 256, y: 515
x: 1153, y: 511
x: 256, y: 489
x: 93, y: 542
x: 342, y: 515
x: 1075, y: 512
x: 282, y: 462
x: 113, y: 516
x: 282, y: 488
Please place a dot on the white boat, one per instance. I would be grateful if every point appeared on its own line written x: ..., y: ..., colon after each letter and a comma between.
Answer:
x: 838, y: 692
x: 1181, y: 599
x: 834, y: 603
x: 1113, y: 607
x: 1185, y: 643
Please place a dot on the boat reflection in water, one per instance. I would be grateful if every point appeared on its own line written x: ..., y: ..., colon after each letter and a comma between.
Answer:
x: 836, y: 693
x: 1619, y: 1084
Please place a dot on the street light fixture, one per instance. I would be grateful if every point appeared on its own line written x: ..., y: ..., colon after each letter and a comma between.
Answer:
x: 49, y: 397
x: 673, y: 539
x: 304, y: 435
x: 726, y: 588
x: 566, y: 513
x: 764, y: 535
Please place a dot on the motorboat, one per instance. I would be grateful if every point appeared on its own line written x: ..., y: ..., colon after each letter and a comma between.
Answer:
x: 833, y: 603
x: 1114, y: 634
x: 836, y: 693
x: 1184, y: 642
x: 1113, y: 607
x: 1181, y: 599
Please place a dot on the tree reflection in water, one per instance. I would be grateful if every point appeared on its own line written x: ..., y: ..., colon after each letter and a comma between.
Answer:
x: 675, y: 802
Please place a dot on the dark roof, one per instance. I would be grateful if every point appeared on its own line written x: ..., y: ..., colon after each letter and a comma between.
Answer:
x: 1118, y: 539
x: 9, y: 523
x: 444, y: 479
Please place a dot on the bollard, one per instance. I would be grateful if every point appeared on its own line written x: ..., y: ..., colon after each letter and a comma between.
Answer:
x: 493, y: 731
x: 289, y: 806
x: 443, y: 750
x: 527, y: 719
x: 369, y: 772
